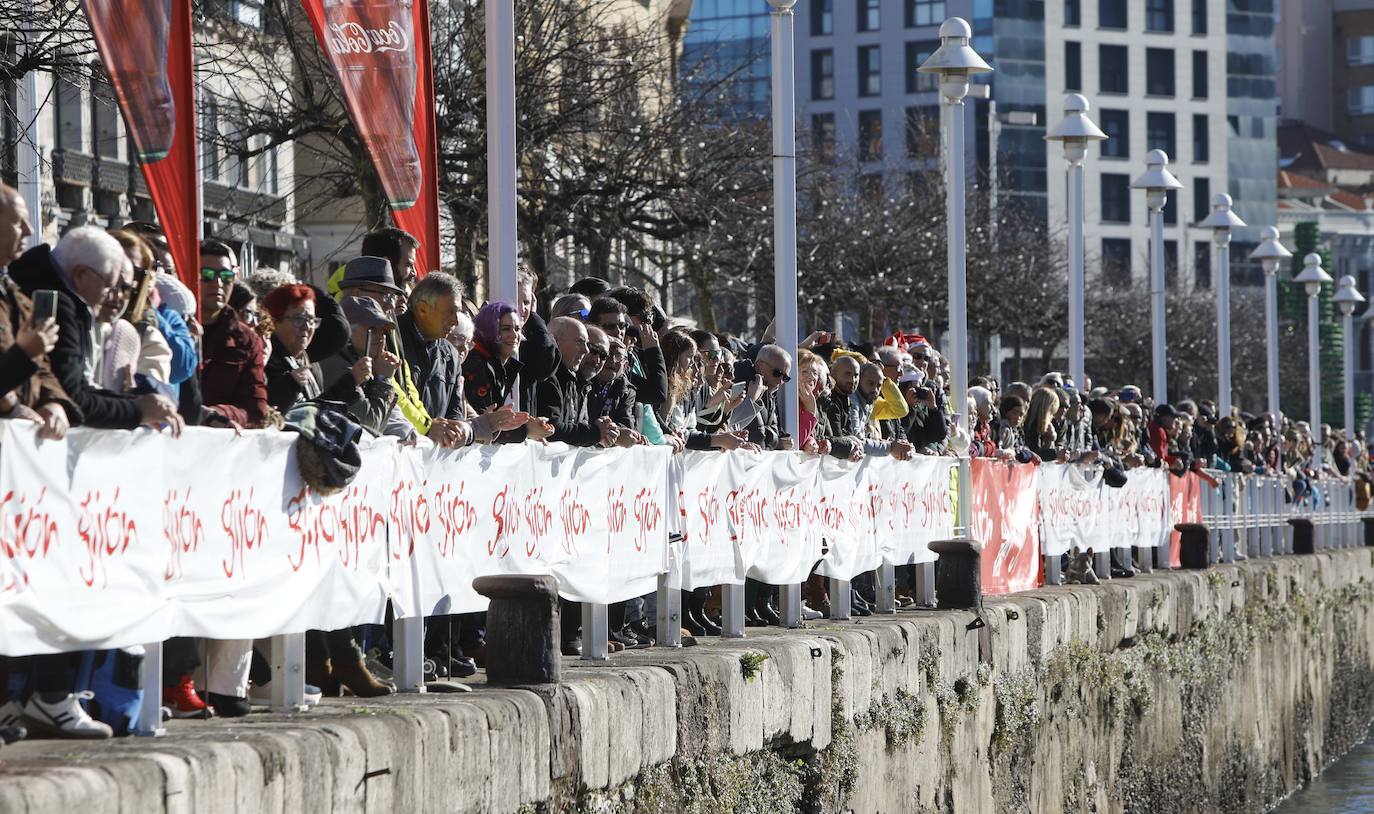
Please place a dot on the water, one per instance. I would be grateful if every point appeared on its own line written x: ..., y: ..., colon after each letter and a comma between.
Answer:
x: 1345, y: 788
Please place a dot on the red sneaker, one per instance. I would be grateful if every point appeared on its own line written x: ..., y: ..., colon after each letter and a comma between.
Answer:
x: 183, y: 700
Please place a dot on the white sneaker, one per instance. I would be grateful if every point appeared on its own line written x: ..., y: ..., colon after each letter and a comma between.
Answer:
x: 809, y: 614
x: 262, y: 695
x: 12, y: 714
x: 64, y: 719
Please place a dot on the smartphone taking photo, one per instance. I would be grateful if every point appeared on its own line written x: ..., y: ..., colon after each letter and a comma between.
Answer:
x: 44, y: 306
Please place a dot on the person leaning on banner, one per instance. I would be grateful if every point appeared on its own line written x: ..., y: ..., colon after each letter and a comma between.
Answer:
x: 434, y: 367
x: 81, y: 269
x: 562, y: 398
x: 292, y: 377
x: 233, y: 381
x: 359, y: 376
x: 491, y: 369
x: 537, y: 353
x: 29, y: 390
x: 761, y: 380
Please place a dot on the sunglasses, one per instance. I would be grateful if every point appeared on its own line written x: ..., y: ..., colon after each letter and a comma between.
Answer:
x: 599, y: 352
x: 581, y: 313
x: 224, y: 275
x: 782, y: 374
x: 712, y: 355
x: 620, y: 326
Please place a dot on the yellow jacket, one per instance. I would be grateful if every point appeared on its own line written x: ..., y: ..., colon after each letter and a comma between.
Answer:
x: 890, y: 403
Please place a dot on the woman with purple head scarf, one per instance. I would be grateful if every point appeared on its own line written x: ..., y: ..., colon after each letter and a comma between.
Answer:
x: 490, y: 370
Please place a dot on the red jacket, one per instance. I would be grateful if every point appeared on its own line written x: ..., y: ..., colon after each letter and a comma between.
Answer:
x: 232, y: 380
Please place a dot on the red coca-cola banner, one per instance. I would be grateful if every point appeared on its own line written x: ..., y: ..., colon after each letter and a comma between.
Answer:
x: 1185, y: 506
x: 145, y: 46
x: 381, y: 56
x: 1006, y: 520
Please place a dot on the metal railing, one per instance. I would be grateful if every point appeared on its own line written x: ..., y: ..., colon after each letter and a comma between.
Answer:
x: 1249, y: 516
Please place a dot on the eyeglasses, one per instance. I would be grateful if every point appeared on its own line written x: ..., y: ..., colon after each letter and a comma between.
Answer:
x: 782, y: 374
x: 618, y: 327
x: 303, y: 321
x: 123, y: 287
x: 224, y: 275
x: 711, y: 355
x: 599, y: 352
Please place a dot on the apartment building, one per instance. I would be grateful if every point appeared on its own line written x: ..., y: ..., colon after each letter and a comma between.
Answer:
x: 1191, y: 77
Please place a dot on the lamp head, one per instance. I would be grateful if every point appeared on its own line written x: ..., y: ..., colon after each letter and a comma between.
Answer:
x: 1075, y: 128
x: 1156, y: 177
x: 782, y: 5
x: 1270, y: 252
x: 955, y: 57
x: 1347, y: 296
x: 1221, y: 217
x: 1312, y: 275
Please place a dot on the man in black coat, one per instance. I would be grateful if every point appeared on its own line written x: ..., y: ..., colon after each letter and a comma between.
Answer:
x: 762, y: 379
x: 83, y: 269
x: 562, y: 398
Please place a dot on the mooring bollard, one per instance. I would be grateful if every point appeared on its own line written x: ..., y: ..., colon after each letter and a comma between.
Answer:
x: 1368, y: 523
x: 1195, y: 546
x: 1303, y: 535
x: 522, y: 629
x: 958, y: 573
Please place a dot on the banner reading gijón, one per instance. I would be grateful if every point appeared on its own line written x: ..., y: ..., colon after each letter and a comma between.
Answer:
x: 145, y: 46
x: 380, y: 53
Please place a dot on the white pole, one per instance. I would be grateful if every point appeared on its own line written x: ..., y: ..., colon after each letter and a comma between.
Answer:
x: 1076, y: 275
x: 1314, y: 376
x: 1271, y: 354
x: 1348, y: 326
x: 1222, y: 240
x: 30, y: 151
x: 501, y: 188
x: 785, y: 241
x: 954, y: 91
x: 1161, y: 375
x: 785, y: 200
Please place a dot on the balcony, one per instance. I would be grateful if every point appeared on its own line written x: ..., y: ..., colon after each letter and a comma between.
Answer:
x: 72, y: 168
x: 235, y: 203
x: 110, y: 175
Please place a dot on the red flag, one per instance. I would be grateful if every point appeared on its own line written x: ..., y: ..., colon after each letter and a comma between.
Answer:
x: 145, y: 46
x: 380, y: 51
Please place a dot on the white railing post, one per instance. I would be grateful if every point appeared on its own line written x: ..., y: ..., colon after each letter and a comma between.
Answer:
x: 668, y: 621
x: 288, y: 672
x: 886, y: 588
x: 925, y: 585
x: 732, y: 611
x: 149, y: 723
x: 595, y: 632
x: 839, y: 598
x: 408, y: 653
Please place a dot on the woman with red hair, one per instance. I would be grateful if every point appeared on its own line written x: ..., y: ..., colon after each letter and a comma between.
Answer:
x: 291, y: 376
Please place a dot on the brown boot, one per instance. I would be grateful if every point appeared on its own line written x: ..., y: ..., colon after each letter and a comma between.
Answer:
x: 359, y: 680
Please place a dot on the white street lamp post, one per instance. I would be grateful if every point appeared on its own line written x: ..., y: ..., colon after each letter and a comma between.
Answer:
x: 785, y: 238
x: 1074, y: 133
x: 1345, y: 300
x: 1157, y: 182
x: 1221, y: 221
x: 1271, y: 254
x: 501, y: 189
x: 954, y: 61
x: 1312, y: 278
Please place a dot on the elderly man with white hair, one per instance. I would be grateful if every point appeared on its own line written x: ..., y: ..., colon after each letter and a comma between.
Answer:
x: 84, y: 269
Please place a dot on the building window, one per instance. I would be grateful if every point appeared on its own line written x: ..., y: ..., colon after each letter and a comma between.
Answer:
x: 822, y: 17
x: 1360, y: 100
x: 69, y: 131
x: 1202, y: 264
x: 1073, y: 13
x: 917, y: 82
x: 923, y: 131
x: 1202, y: 141
x: 247, y: 12
x: 1112, y: 72
x: 1199, y: 17
x: 1116, y: 198
x: 1116, y: 260
x: 823, y: 136
x: 1073, y: 66
x: 1159, y: 15
x: 209, y: 140
x: 1199, y: 74
x: 1159, y: 133
x: 870, y: 135
x: 1359, y: 51
x: 1202, y: 199
x: 870, y: 70
x: 870, y: 14
x: 1111, y: 13
x: 1171, y: 264
x: 1159, y: 71
x: 104, y: 119
x: 823, y: 74
x: 924, y: 12
x: 1170, y: 209
x: 1117, y: 125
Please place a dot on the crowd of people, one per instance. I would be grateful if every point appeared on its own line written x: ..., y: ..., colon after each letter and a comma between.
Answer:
x: 98, y: 331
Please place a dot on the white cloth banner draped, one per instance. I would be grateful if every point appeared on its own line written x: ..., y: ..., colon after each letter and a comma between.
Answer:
x: 1078, y: 508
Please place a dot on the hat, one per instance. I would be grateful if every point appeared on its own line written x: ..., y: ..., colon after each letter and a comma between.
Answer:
x: 1129, y: 393
x: 362, y: 312
x: 327, y: 454
x: 912, y: 376
x: 175, y: 295
x: 1166, y: 409
x: 367, y: 270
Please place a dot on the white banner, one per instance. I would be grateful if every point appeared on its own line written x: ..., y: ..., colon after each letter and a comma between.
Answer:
x: 1077, y: 508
